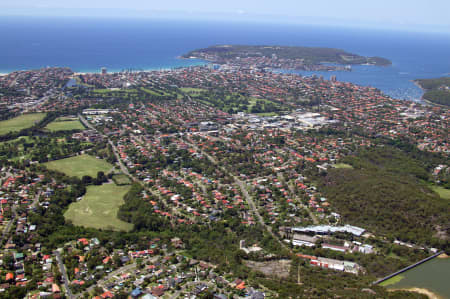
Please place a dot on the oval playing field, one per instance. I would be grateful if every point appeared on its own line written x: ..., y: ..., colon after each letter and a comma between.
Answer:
x: 80, y: 165
x: 99, y: 207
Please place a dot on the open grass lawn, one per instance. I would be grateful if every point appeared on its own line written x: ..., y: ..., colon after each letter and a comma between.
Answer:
x: 121, y: 179
x: 107, y: 90
x: 101, y: 90
x: 443, y: 193
x: 264, y: 114
x: 392, y: 280
x: 65, y: 124
x: 234, y: 103
x: 20, y: 122
x: 343, y: 165
x: 150, y: 91
x: 191, y: 90
x: 26, y: 138
x: 393, y: 255
x: 155, y: 92
x: 80, y: 166
x: 252, y: 102
x: 99, y: 207
x: 19, y: 147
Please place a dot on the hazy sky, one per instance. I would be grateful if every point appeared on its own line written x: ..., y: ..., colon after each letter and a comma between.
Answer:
x: 431, y: 13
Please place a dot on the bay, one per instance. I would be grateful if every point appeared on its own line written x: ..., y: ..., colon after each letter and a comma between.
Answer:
x: 87, y: 44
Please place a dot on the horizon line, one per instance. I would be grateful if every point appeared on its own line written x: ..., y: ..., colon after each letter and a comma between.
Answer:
x: 233, y: 18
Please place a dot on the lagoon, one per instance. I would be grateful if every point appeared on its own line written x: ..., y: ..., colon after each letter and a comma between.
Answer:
x: 433, y: 275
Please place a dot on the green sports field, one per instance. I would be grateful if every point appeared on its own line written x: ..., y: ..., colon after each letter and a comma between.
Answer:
x: 99, y: 207
x: 64, y: 124
x: 20, y: 122
x: 80, y: 166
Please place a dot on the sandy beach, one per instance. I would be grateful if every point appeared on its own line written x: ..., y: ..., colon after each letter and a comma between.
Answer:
x: 423, y: 291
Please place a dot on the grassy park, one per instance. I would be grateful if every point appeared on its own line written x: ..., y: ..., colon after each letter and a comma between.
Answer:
x: 121, y: 179
x: 64, y: 124
x: 343, y: 165
x: 20, y: 122
x: 190, y: 90
x: 25, y: 138
x: 155, y: 92
x: 443, y: 193
x: 80, y: 166
x: 236, y: 102
x: 140, y: 92
x: 98, y: 208
x: 266, y: 114
x: 107, y: 90
x: 392, y: 280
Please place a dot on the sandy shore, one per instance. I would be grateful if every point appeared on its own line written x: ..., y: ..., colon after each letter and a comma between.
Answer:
x: 443, y: 256
x: 423, y: 291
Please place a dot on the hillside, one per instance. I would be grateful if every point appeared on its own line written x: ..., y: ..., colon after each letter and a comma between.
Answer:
x: 309, y: 55
x: 389, y: 198
x: 436, y: 90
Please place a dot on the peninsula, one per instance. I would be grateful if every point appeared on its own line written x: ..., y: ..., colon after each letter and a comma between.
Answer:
x: 437, y: 90
x: 284, y: 57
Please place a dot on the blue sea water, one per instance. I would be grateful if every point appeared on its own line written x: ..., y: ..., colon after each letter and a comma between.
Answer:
x: 87, y: 44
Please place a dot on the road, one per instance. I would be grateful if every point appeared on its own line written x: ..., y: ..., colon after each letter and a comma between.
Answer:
x: 189, y: 284
x: 252, y: 205
x: 123, y: 168
x: 6, y: 230
x: 117, y: 272
x: 35, y: 200
x: 102, y: 281
x: 62, y: 269
x: 85, y: 122
x: 250, y: 201
x: 14, y: 214
x: 149, y: 190
x: 10, y: 223
x: 294, y: 194
x: 244, y: 191
x: 241, y: 185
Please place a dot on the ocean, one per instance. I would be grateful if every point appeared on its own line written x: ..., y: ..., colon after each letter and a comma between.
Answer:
x: 87, y: 44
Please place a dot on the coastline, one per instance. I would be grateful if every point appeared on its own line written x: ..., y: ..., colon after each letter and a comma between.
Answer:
x: 422, y: 99
x: 192, y: 62
x: 421, y: 88
x: 417, y: 84
x: 423, y: 291
x: 425, y: 100
x: 117, y: 71
x: 185, y: 63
